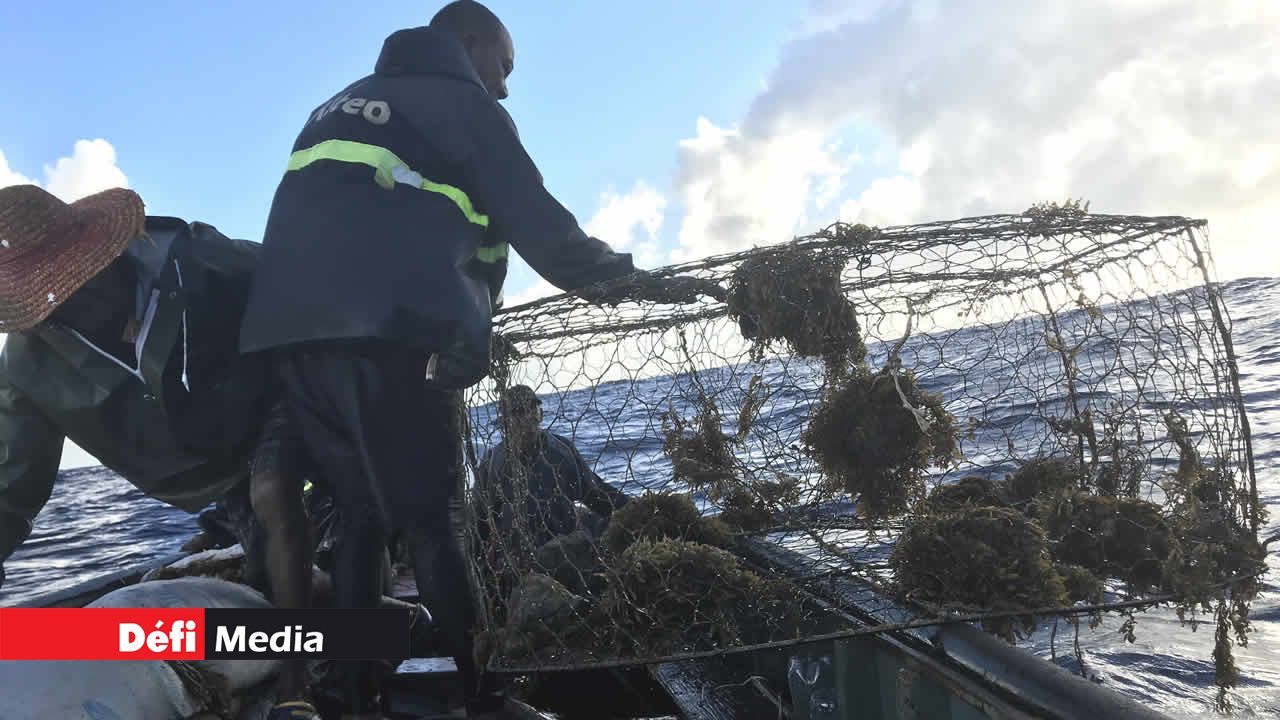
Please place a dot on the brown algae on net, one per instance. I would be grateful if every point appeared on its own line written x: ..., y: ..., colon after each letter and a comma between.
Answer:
x: 749, y: 506
x: 575, y: 561
x: 1209, y: 522
x: 703, y: 457
x: 701, y: 453
x: 983, y: 558
x: 969, y: 491
x: 1041, y: 477
x: 1123, y: 538
x: 674, y: 595
x: 793, y: 295
x: 872, y: 446
x: 1081, y: 584
x: 658, y: 516
x: 542, y: 614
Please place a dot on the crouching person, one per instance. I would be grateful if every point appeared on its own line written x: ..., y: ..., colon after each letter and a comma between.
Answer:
x: 534, y: 485
x: 123, y: 334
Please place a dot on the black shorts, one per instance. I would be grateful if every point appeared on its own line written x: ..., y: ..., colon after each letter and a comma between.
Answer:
x: 383, y: 440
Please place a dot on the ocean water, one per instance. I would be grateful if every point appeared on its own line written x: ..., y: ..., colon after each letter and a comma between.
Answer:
x: 96, y: 523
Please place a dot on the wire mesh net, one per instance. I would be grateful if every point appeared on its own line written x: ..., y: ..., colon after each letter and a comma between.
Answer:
x: 995, y: 419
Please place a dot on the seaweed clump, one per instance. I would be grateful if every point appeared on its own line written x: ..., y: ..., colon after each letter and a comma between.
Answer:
x: 873, y: 446
x: 1215, y: 542
x: 749, y: 506
x: 543, y: 614
x: 1122, y: 474
x: 986, y: 558
x: 574, y: 561
x: 1081, y: 584
x: 1124, y: 538
x: 673, y: 595
x: 1041, y: 478
x: 1213, y: 565
x: 1048, y: 219
x: 700, y: 451
x: 702, y: 455
x: 1210, y: 522
x: 970, y: 491
x: 658, y: 516
x: 794, y: 295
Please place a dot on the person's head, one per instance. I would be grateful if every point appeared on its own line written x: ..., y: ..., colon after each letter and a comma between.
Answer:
x: 485, y: 38
x: 519, y: 413
x: 105, y: 300
x: 52, y: 252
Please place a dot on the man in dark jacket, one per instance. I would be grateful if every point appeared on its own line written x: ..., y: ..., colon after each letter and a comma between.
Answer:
x: 132, y: 357
x: 529, y: 485
x: 532, y: 488
x: 384, y: 256
x: 123, y: 336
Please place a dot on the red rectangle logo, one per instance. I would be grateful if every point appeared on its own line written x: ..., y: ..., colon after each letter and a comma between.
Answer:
x: 102, y: 633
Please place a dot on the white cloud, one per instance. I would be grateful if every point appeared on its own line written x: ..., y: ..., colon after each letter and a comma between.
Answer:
x: 828, y: 14
x: 887, y: 201
x: 90, y: 168
x: 742, y: 189
x: 631, y: 222
x: 8, y: 176
x: 1150, y: 107
x: 916, y: 158
x: 628, y: 222
x: 537, y: 291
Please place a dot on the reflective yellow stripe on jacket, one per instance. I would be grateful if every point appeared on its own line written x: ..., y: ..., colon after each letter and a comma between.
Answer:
x: 388, y: 169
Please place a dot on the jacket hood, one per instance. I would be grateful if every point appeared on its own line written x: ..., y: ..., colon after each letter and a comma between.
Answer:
x: 425, y: 51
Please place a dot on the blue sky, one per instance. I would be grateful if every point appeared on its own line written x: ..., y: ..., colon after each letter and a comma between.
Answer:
x: 681, y: 129
x: 202, y: 101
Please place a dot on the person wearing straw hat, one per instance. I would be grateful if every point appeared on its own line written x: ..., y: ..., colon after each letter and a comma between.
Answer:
x: 122, y: 336
x: 384, y: 257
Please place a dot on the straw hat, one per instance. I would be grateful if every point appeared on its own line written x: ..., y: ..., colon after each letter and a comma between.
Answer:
x: 48, y: 248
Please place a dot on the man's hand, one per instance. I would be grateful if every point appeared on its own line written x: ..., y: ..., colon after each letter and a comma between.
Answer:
x: 644, y: 287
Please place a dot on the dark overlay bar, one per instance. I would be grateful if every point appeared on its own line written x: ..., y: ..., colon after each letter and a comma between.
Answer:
x: 237, y: 634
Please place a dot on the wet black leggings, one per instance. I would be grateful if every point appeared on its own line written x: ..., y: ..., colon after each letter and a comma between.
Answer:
x: 385, y: 444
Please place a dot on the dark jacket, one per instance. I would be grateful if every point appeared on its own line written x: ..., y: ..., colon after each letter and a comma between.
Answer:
x: 557, y: 477
x: 393, y: 220
x: 178, y: 428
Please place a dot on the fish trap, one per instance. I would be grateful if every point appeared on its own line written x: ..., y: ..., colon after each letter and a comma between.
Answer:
x: 890, y: 408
